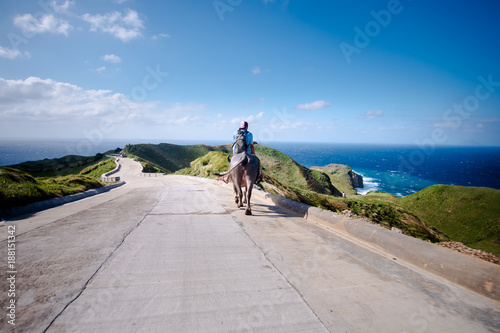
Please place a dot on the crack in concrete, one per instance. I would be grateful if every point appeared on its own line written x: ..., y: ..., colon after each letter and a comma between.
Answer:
x: 292, y: 285
x: 100, y: 266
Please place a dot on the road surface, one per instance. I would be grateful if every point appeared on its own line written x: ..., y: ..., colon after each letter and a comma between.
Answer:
x: 174, y: 254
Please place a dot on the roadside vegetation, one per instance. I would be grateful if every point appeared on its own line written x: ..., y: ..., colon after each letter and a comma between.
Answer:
x: 38, y: 182
x: 437, y: 214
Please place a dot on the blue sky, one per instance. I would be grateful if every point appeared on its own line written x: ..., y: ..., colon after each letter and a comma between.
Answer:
x: 401, y: 72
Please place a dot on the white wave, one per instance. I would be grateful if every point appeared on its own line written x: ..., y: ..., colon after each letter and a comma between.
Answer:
x: 369, y: 184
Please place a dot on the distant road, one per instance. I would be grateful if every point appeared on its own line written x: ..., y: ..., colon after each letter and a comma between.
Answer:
x: 174, y: 254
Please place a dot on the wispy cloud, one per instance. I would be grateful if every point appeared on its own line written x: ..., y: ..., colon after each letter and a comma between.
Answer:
x: 46, y: 23
x: 317, y: 105
x: 63, y: 7
x: 12, y: 53
x: 112, y: 58
x: 372, y: 114
x: 249, y: 118
x: 256, y: 70
x: 125, y: 26
x: 160, y: 36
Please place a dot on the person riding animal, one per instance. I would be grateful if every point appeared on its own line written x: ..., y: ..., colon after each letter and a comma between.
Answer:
x: 243, y: 141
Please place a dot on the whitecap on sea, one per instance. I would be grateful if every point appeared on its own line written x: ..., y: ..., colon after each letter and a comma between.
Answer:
x: 369, y: 184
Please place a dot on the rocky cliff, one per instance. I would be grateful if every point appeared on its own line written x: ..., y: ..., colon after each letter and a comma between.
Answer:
x: 356, y: 180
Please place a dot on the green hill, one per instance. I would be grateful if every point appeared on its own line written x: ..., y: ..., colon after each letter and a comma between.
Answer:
x: 167, y: 158
x: 40, y: 180
x: 342, y: 177
x: 67, y: 165
x: 18, y: 188
x: 207, y: 165
x: 470, y: 215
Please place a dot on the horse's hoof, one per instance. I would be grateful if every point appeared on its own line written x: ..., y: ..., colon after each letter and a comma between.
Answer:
x: 248, y: 212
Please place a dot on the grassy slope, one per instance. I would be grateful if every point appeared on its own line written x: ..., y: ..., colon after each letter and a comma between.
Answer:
x: 277, y: 166
x: 339, y: 176
x: 19, y: 188
x: 166, y: 157
x: 67, y: 165
x: 207, y: 165
x: 470, y: 215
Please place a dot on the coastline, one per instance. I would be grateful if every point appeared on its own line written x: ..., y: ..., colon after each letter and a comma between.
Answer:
x: 383, y: 167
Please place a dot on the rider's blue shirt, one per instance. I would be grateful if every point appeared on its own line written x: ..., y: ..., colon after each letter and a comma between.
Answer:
x: 248, y: 139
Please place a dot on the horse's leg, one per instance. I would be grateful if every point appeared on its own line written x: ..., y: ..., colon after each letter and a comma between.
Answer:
x: 244, y: 192
x: 237, y: 195
x: 244, y: 187
x: 248, y: 194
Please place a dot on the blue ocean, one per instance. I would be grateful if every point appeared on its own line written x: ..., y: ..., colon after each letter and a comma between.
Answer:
x: 400, y: 170
x: 403, y: 170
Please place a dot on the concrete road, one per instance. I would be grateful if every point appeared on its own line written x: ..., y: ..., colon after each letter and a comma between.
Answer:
x: 174, y: 254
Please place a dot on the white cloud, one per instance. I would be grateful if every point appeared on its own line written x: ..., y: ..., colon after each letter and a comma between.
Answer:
x: 46, y: 23
x: 46, y: 100
x: 112, y: 58
x: 317, y: 105
x: 372, y: 114
x: 100, y: 69
x: 61, y: 7
x: 12, y: 53
x: 256, y: 70
x: 125, y: 26
x: 160, y: 36
x: 249, y: 119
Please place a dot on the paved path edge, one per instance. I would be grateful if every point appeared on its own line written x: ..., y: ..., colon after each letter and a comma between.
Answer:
x: 471, y: 273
